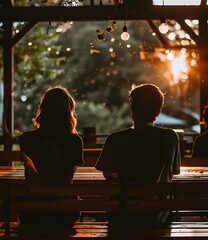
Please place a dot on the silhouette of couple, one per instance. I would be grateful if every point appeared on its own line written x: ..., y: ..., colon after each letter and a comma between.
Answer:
x: 143, y: 153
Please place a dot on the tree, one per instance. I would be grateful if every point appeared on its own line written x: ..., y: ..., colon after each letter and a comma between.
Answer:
x: 35, y: 71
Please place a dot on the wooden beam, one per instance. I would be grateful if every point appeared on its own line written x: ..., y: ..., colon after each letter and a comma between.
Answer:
x: 141, y: 11
x: 8, y: 76
x: 189, y: 30
x: 203, y: 46
x: 23, y: 32
x: 160, y: 37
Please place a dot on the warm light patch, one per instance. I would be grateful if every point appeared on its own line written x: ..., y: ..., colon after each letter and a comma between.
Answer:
x: 178, y: 67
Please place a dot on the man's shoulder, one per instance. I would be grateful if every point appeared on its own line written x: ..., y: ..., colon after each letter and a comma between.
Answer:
x: 118, y: 137
x: 154, y: 129
x: 166, y: 132
x: 120, y: 133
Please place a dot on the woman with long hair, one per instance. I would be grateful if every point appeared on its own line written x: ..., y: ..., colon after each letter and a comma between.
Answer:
x: 52, y: 151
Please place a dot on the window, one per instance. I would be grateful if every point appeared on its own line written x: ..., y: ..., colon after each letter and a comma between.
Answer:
x: 99, y: 74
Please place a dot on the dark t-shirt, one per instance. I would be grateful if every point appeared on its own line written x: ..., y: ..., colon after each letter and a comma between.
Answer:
x: 144, y: 157
x: 149, y: 156
x: 54, y: 157
x: 200, y: 146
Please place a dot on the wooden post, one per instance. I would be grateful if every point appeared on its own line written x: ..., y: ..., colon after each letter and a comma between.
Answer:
x: 203, y: 48
x: 8, y: 75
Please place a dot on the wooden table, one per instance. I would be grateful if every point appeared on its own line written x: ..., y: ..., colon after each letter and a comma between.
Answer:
x: 192, y: 174
x: 9, y: 174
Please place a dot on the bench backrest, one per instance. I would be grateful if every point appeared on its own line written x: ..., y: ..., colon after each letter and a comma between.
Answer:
x: 137, y: 197
x: 103, y: 197
x: 90, y: 156
x: 59, y: 198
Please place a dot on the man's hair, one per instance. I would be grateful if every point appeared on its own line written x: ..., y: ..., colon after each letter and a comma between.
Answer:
x: 146, y: 101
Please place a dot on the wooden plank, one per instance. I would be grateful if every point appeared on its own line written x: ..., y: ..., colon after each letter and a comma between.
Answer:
x: 141, y: 10
x: 65, y: 205
x: 107, y: 189
x: 165, y: 204
x: 151, y: 233
x: 174, y: 188
x: 105, y: 197
x: 92, y: 225
x: 33, y: 190
x: 185, y: 189
x: 89, y: 175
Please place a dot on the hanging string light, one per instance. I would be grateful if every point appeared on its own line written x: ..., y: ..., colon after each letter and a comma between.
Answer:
x: 163, y: 27
x: 101, y: 35
x: 111, y: 28
x: 125, y: 35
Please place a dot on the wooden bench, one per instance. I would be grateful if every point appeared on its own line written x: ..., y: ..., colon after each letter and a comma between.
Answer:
x: 109, y: 198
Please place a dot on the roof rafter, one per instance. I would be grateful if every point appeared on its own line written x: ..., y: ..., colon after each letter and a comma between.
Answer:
x: 163, y: 41
x: 23, y: 32
x: 189, y: 30
x: 136, y: 11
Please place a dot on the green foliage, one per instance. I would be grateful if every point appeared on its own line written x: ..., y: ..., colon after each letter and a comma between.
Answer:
x: 35, y: 71
x: 21, y: 2
x: 34, y: 61
x: 104, y: 76
x: 93, y: 114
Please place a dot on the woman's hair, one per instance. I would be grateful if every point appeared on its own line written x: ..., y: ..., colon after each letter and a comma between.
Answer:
x: 146, y: 101
x: 56, y: 111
